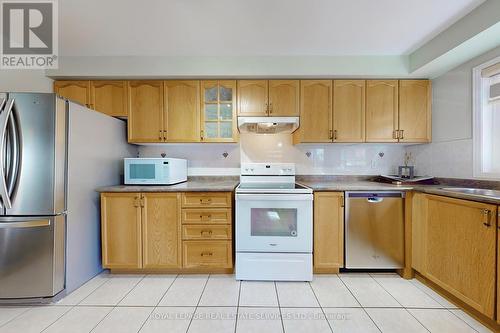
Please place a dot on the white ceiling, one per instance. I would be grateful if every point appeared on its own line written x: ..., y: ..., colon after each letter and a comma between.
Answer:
x: 253, y: 27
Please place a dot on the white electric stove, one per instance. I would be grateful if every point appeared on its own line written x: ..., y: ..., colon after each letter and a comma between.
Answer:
x: 274, y: 217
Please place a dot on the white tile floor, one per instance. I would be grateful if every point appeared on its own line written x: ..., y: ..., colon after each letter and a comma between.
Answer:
x: 350, y: 303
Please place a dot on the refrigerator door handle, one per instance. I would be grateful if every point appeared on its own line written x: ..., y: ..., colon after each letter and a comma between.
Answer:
x: 4, y: 118
x: 15, y: 153
x: 27, y: 224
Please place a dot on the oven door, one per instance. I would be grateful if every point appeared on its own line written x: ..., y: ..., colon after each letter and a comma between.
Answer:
x: 274, y: 223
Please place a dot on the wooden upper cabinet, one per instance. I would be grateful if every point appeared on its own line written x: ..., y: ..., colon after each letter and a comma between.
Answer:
x: 283, y: 98
x: 109, y: 97
x: 253, y: 98
x: 145, y: 121
x: 161, y: 230
x: 77, y: 91
x: 457, y: 245
x: 381, y: 110
x: 315, y: 112
x: 121, y: 230
x: 414, y: 111
x: 218, y: 111
x: 349, y: 111
x: 328, y: 242
x: 182, y: 111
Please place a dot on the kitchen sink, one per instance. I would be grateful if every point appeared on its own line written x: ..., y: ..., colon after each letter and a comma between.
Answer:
x: 474, y: 191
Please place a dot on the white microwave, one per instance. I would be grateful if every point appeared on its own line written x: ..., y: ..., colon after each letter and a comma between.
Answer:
x: 155, y: 171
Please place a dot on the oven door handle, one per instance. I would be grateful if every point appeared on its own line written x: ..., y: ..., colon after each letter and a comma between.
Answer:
x: 274, y: 197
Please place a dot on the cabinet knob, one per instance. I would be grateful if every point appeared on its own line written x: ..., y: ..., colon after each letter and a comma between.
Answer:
x: 207, y: 254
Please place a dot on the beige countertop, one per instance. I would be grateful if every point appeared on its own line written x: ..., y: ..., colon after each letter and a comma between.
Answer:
x: 194, y: 184
x: 352, y: 185
x: 436, y: 189
x: 317, y: 183
x: 366, y: 185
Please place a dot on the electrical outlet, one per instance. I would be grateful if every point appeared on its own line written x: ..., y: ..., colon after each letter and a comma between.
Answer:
x: 374, y: 164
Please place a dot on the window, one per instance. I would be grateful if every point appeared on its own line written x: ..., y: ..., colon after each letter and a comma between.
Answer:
x: 487, y: 120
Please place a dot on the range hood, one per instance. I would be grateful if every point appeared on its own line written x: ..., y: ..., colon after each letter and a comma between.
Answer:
x: 268, y: 125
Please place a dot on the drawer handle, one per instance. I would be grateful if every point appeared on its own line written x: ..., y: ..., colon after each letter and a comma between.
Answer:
x: 205, y: 200
x: 206, y: 233
x: 207, y: 254
x: 206, y: 217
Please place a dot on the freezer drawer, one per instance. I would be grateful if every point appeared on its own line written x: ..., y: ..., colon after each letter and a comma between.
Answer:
x: 31, y: 256
x: 374, y: 230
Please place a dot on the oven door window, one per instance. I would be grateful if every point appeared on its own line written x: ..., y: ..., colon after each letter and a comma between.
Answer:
x: 142, y: 171
x: 277, y: 222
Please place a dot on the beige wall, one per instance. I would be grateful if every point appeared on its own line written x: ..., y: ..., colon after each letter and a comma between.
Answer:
x: 17, y: 80
x: 450, y: 154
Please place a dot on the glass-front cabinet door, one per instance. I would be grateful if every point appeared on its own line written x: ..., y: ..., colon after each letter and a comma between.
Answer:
x: 218, y: 121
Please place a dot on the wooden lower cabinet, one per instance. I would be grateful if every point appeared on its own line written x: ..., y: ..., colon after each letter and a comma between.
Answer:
x: 166, y: 231
x: 454, y: 246
x: 498, y: 265
x: 206, y: 216
x: 206, y: 199
x: 328, y: 251
x: 199, y: 232
x: 160, y: 230
x: 206, y: 254
x: 206, y: 231
x: 121, y: 230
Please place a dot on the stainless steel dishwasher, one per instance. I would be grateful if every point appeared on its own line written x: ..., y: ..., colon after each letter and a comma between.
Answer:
x: 374, y: 224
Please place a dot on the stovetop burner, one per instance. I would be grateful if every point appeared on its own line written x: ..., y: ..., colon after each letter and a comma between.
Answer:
x: 282, y: 188
x: 271, y: 186
x: 269, y: 178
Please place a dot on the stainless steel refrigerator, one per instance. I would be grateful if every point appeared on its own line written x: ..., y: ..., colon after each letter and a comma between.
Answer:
x: 53, y: 154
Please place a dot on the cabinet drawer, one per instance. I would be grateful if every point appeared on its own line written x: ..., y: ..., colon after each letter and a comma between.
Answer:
x: 207, y: 254
x: 206, y: 216
x: 206, y: 232
x: 206, y: 199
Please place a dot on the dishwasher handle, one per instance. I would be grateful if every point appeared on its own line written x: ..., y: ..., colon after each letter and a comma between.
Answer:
x: 375, y: 196
x: 374, y: 199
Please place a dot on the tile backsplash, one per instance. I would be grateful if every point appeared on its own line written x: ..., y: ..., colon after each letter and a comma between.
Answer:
x: 208, y: 159
x: 310, y: 159
x: 322, y: 159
